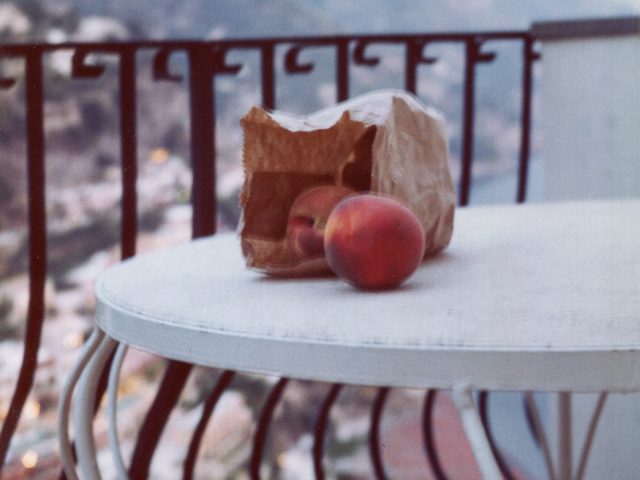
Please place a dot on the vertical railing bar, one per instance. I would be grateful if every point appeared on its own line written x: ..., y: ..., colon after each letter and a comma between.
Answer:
x: 37, y: 246
x: 262, y: 429
x: 411, y: 67
x: 207, y: 410
x: 203, y: 144
x: 321, y: 428
x: 483, y: 406
x: 166, y: 398
x: 525, y: 121
x: 468, y: 119
x: 428, y: 435
x: 342, y: 70
x: 128, y: 137
x: 268, y: 76
x: 375, y: 444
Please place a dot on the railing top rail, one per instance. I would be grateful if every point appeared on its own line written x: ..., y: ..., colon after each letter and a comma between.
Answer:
x: 586, y: 28
x: 252, y: 42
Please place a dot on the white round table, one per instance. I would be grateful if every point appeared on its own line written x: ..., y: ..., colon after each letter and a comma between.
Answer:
x: 542, y: 297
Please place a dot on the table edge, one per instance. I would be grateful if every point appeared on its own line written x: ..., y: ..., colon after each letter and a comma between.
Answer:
x: 370, y: 364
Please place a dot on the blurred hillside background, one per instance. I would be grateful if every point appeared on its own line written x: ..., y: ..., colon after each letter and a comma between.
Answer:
x: 82, y: 129
x: 82, y: 162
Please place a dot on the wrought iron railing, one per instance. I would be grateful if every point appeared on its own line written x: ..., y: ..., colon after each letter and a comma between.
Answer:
x: 205, y: 61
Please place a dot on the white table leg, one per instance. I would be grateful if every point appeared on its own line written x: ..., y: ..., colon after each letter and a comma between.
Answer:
x: 565, y: 441
x: 112, y: 406
x: 83, y: 409
x: 542, y: 436
x: 472, y: 423
x: 64, y: 406
x: 588, y: 441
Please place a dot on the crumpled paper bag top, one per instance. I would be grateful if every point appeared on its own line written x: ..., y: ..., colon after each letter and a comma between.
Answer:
x: 385, y: 141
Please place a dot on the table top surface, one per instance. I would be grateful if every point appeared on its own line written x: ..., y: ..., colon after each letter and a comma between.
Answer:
x: 526, y: 297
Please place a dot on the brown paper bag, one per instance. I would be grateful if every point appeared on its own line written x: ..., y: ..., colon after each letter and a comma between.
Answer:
x: 385, y: 142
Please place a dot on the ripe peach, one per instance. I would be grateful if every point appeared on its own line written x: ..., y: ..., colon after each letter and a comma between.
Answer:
x: 373, y: 242
x: 308, y: 217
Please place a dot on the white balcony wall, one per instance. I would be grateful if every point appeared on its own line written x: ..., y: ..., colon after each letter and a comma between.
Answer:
x: 591, y: 116
x: 590, y: 120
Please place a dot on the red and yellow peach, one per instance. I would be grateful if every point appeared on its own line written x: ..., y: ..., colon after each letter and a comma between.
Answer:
x: 373, y: 242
